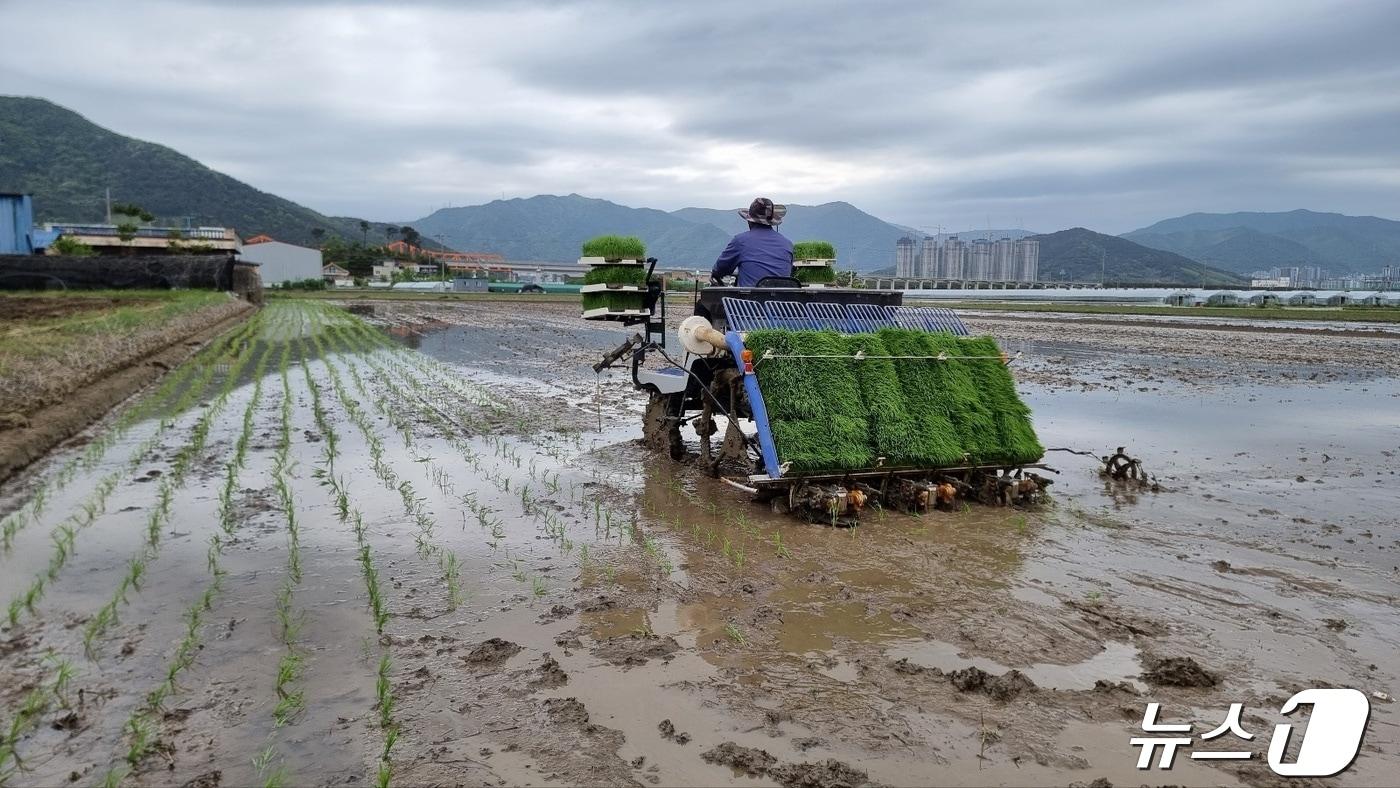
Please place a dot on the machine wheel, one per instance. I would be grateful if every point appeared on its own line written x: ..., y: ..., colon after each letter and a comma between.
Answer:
x: 661, y: 431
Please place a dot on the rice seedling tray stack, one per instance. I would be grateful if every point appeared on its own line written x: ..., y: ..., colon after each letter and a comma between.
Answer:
x: 814, y: 262
x: 616, y: 282
x: 840, y: 414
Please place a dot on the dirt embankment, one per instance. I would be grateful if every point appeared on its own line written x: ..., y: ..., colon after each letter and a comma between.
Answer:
x: 25, y: 437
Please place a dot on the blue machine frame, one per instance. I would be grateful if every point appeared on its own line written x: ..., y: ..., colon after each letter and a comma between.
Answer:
x: 744, y: 315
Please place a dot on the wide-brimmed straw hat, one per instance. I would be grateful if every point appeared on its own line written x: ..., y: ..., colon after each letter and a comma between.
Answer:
x: 763, y: 211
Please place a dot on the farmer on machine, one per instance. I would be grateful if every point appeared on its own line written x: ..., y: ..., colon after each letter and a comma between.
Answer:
x: 760, y: 252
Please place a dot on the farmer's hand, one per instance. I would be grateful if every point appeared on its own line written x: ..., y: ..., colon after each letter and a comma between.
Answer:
x: 717, y: 280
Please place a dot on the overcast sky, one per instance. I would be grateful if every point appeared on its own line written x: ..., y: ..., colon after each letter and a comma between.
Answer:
x: 1042, y: 115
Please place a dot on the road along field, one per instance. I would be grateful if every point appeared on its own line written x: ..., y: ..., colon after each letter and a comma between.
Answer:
x: 414, y: 543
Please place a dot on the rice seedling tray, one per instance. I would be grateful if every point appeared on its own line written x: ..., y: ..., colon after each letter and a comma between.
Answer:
x: 814, y: 263
x: 605, y: 286
x: 604, y: 313
x: 605, y: 261
x: 765, y: 480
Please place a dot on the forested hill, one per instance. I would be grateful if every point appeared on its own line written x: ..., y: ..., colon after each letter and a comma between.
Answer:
x: 1082, y: 255
x: 1245, y: 242
x: 67, y: 163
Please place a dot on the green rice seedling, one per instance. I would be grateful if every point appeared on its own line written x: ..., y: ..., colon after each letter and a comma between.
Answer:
x: 143, y: 737
x: 384, y: 693
x: 34, y: 593
x: 538, y: 585
x: 734, y: 634
x: 935, y: 438
x: 894, y: 431
x: 819, y: 420
x: 614, y: 247
x: 276, y: 778
x: 814, y: 275
x: 450, y: 571
x: 1016, y: 440
x: 264, y: 758
x: 813, y: 250
x: 113, y: 777
x: 613, y: 301
x: 289, y: 670
x: 288, y: 707
x: 384, y: 774
x: 778, y: 543
x: 634, y: 275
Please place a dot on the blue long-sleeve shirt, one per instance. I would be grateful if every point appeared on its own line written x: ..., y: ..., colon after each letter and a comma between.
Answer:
x: 756, y: 253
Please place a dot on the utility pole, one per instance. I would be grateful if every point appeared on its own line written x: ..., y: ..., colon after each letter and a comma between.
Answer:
x: 1103, y: 267
x: 442, y: 264
x: 109, y: 205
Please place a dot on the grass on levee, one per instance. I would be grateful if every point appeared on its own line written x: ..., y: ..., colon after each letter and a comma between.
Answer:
x: 1379, y: 314
x: 29, y: 337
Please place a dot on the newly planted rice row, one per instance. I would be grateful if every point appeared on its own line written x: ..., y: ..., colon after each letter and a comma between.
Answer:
x: 365, y: 377
x: 170, y: 483
x: 413, y: 504
x: 202, y: 363
x: 553, y: 524
x: 65, y: 534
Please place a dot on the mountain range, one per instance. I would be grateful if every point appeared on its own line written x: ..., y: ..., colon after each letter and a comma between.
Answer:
x: 1245, y: 242
x: 1081, y: 255
x: 68, y: 163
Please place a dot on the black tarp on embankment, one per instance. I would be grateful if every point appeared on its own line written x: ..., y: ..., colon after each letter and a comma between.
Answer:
x: 194, y: 271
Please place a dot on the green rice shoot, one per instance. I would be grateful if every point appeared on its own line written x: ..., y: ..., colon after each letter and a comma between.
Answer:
x: 615, y: 301
x: 813, y: 250
x: 814, y: 275
x: 835, y: 414
x: 616, y: 275
x: 615, y: 247
x: 818, y: 418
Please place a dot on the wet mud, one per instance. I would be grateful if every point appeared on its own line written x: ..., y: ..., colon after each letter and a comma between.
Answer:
x: 480, y: 539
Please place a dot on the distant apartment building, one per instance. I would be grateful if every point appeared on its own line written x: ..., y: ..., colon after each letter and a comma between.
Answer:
x: 979, y: 261
x: 954, y: 259
x: 1027, y: 260
x: 1004, y: 268
x: 928, y: 259
x: 904, y: 257
x: 1306, y: 276
x: 982, y: 260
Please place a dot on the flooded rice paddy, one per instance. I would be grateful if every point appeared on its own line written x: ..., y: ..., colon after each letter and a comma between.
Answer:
x: 419, y: 544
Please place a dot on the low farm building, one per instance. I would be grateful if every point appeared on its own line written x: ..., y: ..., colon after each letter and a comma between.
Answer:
x: 280, y: 262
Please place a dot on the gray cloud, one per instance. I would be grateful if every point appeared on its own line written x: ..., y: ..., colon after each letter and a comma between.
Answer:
x: 1108, y: 115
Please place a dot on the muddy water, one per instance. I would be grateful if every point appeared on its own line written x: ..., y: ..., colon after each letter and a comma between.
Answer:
x: 614, y: 617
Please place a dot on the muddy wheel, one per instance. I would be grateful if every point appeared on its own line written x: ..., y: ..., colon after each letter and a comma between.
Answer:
x: 660, y: 430
x: 734, y: 450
